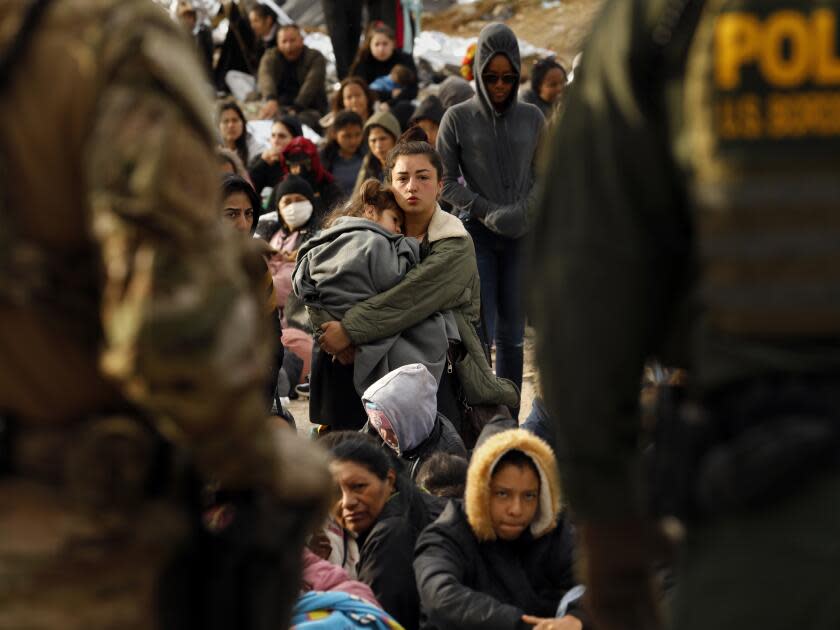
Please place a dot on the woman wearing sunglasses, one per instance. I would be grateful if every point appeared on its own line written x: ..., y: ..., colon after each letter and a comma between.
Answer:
x: 492, y: 140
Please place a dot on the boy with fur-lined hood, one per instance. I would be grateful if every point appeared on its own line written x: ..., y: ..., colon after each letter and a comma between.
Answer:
x: 504, y: 555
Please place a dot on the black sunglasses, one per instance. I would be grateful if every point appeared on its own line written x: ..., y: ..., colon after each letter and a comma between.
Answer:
x: 491, y: 78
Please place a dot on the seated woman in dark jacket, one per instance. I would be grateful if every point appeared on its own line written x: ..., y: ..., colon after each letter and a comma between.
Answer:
x: 266, y: 169
x: 378, y: 55
x: 300, y: 157
x: 402, y: 413
x: 387, y: 513
x: 503, y: 559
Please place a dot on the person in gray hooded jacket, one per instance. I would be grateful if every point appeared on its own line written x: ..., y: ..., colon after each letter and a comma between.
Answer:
x: 402, y: 412
x: 491, y: 140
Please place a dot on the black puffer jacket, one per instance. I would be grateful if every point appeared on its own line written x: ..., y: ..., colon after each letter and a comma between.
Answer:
x: 470, y: 579
x: 468, y: 585
x: 387, y: 550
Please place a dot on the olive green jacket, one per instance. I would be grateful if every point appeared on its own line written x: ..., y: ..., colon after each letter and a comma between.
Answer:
x: 445, y: 279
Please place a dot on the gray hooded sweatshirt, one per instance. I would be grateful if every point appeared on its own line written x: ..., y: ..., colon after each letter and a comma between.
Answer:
x: 493, y: 150
x: 402, y: 410
x: 354, y: 260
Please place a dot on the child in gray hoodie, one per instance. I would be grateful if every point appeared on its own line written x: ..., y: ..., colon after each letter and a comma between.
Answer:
x: 402, y: 412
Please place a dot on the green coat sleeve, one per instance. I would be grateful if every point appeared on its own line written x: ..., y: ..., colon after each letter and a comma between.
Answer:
x: 445, y: 279
x: 610, y: 249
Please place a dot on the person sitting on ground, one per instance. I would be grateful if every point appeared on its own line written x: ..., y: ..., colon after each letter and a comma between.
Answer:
x: 503, y: 557
x: 361, y: 253
x: 344, y: 152
x: 353, y: 94
x: 233, y: 131
x: 266, y: 169
x: 381, y: 133
x: 322, y: 575
x: 293, y: 76
x: 240, y: 209
x: 427, y: 116
x: 335, y: 542
x: 392, y: 86
x: 263, y: 23
x: 300, y: 157
x: 230, y: 164
x: 379, y: 54
x: 548, y: 81
x: 443, y: 475
x: 402, y: 412
x: 188, y: 17
x: 288, y: 226
x: 240, y: 50
x: 386, y: 512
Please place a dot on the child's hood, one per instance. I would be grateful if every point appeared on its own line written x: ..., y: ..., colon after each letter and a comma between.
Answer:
x: 483, y: 462
x: 407, y: 398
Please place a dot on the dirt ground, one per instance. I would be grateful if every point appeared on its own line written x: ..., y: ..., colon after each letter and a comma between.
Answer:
x: 560, y: 26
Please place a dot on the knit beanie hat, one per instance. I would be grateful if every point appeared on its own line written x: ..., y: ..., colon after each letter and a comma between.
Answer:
x: 292, y: 184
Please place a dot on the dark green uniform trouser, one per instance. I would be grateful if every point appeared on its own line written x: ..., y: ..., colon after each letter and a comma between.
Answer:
x: 771, y: 568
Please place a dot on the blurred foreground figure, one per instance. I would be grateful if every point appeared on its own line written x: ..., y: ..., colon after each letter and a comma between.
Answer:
x: 691, y: 212
x: 141, y: 485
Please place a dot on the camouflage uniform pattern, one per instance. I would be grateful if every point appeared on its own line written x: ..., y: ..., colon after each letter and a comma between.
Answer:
x: 122, y: 291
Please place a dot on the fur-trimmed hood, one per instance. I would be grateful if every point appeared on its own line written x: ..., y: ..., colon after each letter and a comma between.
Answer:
x: 484, y: 460
x: 444, y: 225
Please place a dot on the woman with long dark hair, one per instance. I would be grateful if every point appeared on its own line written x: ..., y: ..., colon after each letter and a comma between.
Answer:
x: 233, y: 130
x: 386, y: 512
x: 379, y: 54
x: 354, y: 94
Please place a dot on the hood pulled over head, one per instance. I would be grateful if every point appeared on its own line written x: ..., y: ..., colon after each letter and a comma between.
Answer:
x: 483, y: 464
x: 300, y: 149
x: 402, y: 406
x: 496, y: 39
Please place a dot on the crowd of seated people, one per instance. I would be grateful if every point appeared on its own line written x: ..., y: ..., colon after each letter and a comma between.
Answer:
x: 443, y: 519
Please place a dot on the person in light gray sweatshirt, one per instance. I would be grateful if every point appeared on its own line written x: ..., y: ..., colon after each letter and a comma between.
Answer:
x: 491, y: 141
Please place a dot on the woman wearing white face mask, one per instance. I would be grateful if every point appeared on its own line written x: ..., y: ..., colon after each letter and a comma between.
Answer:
x: 293, y: 200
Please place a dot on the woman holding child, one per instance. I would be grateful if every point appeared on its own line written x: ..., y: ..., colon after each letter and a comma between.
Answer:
x: 446, y: 278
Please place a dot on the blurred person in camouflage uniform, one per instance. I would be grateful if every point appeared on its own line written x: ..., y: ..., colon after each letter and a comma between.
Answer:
x: 690, y: 213
x: 140, y: 483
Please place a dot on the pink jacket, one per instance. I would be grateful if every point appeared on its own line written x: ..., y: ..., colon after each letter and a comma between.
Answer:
x: 321, y: 575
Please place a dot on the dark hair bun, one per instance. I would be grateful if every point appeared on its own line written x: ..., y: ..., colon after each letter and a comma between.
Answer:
x: 369, y: 191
